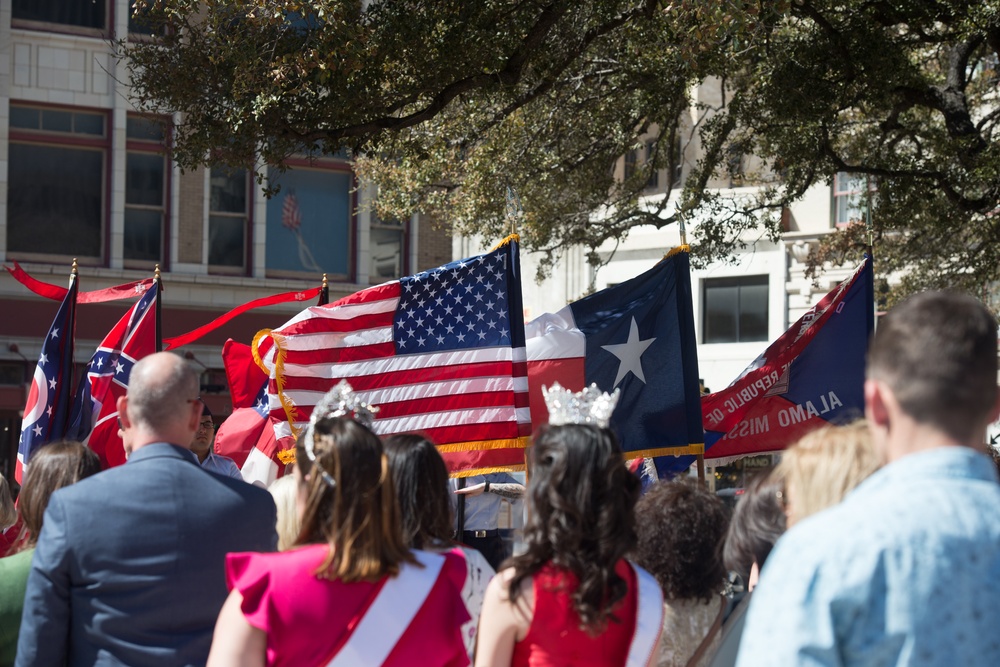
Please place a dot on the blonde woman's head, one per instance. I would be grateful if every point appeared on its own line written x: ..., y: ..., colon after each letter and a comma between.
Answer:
x: 822, y: 467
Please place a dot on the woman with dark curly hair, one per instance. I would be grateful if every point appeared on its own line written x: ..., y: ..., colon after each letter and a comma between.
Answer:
x: 571, y: 598
x: 682, y: 529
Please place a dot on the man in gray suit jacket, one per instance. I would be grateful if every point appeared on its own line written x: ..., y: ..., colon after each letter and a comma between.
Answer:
x: 129, y: 568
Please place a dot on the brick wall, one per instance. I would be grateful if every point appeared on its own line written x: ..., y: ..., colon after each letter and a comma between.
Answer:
x: 191, y: 216
x: 434, y: 244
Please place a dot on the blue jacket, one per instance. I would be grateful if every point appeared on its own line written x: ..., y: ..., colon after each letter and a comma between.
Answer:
x: 130, y: 564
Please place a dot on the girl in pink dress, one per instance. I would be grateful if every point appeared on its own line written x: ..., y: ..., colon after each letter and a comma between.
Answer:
x: 571, y: 598
x: 351, y: 593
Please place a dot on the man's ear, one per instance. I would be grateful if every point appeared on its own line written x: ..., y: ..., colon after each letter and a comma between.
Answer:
x: 876, y: 407
x: 194, y: 417
x: 122, y: 405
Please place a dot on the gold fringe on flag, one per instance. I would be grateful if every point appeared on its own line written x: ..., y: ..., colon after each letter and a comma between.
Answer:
x: 506, y: 443
x: 516, y: 238
x: 679, y: 249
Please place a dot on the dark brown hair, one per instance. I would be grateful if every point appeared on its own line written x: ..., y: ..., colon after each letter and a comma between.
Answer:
x: 682, y: 530
x: 758, y: 521
x: 421, y: 481
x: 937, y: 351
x: 581, y: 499
x: 352, y: 507
x: 54, y: 466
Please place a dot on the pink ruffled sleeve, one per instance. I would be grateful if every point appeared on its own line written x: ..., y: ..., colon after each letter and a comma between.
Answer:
x: 249, y: 574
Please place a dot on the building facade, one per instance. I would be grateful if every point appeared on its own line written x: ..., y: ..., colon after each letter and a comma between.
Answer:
x: 82, y: 176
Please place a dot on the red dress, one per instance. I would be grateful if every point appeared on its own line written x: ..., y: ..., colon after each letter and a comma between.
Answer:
x: 306, y: 618
x: 555, y: 638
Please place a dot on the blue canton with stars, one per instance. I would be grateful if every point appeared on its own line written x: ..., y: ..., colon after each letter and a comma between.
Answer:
x: 457, y: 306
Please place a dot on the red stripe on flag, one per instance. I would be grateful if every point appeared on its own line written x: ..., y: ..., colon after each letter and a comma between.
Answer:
x: 324, y: 325
x: 544, y: 373
x: 407, y: 377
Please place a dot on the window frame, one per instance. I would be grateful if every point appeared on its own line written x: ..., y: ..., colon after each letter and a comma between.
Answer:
x: 404, y: 248
x: 63, y: 140
x: 837, y: 193
x: 147, y: 147
x: 105, y: 32
x: 739, y: 282
x: 221, y: 269
x: 330, y: 165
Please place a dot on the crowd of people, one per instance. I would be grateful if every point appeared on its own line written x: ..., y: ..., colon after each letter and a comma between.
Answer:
x: 873, y: 543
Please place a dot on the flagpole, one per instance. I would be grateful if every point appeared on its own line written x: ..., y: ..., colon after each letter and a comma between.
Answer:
x: 324, y: 293
x: 159, y: 297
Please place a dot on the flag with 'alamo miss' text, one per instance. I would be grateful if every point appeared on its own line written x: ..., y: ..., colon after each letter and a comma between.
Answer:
x: 811, y: 376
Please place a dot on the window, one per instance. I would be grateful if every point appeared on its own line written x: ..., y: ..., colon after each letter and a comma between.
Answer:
x: 88, y: 15
x: 138, y: 25
x: 146, y: 174
x: 631, y: 158
x: 849, y: 200
x: 228, y: 220
x: 735, y: 310
x: 388, y: 240
x: 56, y: 184
x: 654, y: 175
x: 310, y: 221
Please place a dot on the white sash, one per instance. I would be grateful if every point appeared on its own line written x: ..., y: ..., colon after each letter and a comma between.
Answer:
x: 648, y: 619
x: 388, y: 617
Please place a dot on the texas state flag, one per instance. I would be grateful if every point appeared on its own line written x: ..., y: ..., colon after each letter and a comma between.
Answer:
x: 812, y: 375
x: 47, y: 408
x: 637, y: 336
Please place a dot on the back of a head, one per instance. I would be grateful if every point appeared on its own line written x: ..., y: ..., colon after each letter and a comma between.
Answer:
x: 8, y: 513
x: 420, y: 478
x: 350, y: 501
x: 284, y: 491
x: 53, y: 467
x: 682, y: 529
x: 161, y: 388
x: 822, y: 467
x: 757, y: 523
x: 581, y: 501
x: 937, y: 352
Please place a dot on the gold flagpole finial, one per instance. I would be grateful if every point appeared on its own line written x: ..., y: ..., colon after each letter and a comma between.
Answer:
x: 326, y: 284
x: 74, y: 270
x: 514, y: 210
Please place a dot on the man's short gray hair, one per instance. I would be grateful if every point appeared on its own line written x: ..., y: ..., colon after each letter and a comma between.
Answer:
x: 160, y: 388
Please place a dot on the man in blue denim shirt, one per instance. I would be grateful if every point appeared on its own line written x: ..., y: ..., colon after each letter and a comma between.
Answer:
x: 906, y: 570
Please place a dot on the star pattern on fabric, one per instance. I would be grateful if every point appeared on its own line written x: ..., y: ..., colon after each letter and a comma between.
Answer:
x: 629, y: 354
x: 455, y: 306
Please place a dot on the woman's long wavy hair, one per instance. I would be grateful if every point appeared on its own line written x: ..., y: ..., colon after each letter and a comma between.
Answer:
x: 421, y: 480
x: 353, y: 506
x: 581, y: 499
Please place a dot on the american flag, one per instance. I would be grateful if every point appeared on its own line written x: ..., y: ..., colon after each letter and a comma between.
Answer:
x: 50, y: 392
x: 441, y: 353
x: 95, y: 411
x: 291, y: 216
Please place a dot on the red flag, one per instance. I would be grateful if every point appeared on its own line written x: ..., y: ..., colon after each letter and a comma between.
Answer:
x: 244, y: 376
x: 440, y: 353
x: 95, y: 412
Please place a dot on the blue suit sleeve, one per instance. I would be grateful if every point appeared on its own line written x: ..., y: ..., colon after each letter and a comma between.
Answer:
x: 45, y: 622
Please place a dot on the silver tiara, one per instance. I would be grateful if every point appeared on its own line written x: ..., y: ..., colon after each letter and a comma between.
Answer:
x: 341, y: 401
x: 590, y: 406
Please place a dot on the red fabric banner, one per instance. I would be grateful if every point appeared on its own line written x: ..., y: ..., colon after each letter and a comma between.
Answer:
x: 196, y: 334
x: 57, y: 293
